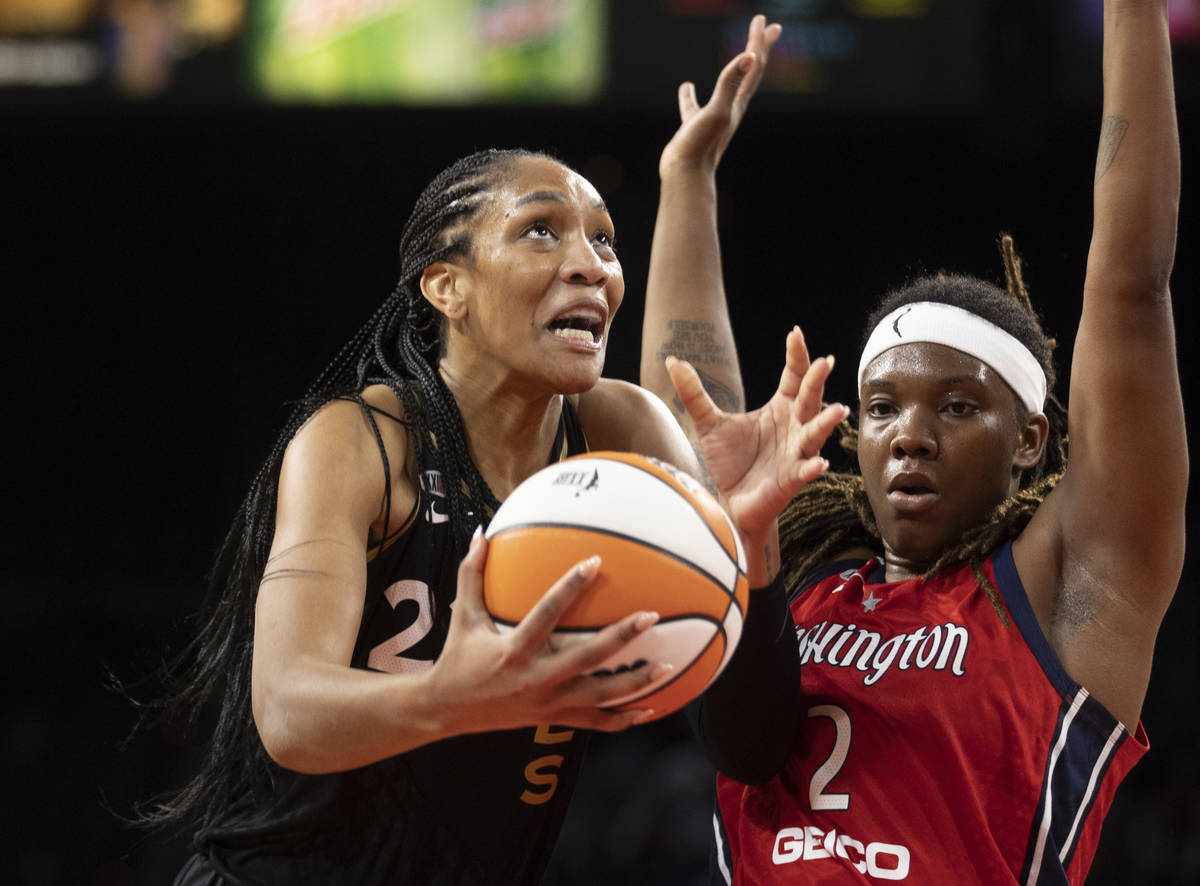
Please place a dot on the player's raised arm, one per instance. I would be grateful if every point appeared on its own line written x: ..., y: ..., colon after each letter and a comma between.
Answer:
x: 1117, y: 518
x: 685, y: 314
x: 1128, y: 457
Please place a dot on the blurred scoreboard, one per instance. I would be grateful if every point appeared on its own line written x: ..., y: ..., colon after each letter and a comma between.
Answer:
x: 850, y: 55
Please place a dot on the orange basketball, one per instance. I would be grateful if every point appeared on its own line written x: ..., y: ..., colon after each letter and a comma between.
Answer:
x: 665, y: 545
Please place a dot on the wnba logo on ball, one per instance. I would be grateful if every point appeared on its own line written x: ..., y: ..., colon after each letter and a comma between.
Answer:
x: 665, y: 545
x: 580, y: 480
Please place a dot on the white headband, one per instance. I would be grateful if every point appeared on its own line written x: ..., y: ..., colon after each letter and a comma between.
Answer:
x: 953, y: 327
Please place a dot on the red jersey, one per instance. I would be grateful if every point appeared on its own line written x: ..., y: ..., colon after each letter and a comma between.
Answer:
x: 941, y: 747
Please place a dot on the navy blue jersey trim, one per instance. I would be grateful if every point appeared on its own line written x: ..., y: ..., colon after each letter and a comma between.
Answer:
x: 1035, y: 826
x: 823, y: 572
x: 1085, y: 781
x: 720, y: 860
x: 1013, y: 591
x: 1077, y: 759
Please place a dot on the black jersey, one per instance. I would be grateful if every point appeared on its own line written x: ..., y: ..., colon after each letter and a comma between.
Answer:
x: 482, y: 808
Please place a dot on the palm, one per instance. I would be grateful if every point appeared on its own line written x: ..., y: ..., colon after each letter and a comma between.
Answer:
x: 704, y: 132
x: 759, y: 460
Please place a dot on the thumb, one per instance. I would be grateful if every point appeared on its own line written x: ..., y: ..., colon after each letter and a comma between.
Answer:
x: 688, y: 106
x: 691, y: 393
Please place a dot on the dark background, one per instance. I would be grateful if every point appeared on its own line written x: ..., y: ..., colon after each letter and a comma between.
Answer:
x: 173, y: 269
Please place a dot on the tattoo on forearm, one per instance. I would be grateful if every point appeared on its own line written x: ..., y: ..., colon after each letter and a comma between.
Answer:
x: 697, y: 343
x: 1112, y: 133
x: 721, y: 394
x: 705, y: 477
x: 274, y: 574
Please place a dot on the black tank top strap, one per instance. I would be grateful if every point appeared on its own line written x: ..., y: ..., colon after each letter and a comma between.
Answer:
x: 570, y: 439
x: 362, y: 401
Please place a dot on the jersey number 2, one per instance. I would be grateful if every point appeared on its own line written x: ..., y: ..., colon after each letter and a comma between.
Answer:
x: 818, y: 799
x: 386, y: 656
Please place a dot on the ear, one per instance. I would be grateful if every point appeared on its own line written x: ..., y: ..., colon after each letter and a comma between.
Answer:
x: 443, y: 284
x: 1032, y: 442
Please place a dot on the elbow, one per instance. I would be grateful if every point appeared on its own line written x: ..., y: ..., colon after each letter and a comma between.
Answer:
x: 750, y: 745
x: 769, y: 758
x: 751, y: 775
x: 1140, y: 276
x: 276, y: 731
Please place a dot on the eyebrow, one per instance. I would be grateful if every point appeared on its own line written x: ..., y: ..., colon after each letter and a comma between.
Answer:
x: 948, y: 380
x: 555, y: 197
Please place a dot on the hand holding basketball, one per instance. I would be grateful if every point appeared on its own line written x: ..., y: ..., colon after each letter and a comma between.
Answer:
x: 760, y: 460
x: 485, y: 681
x: 665, y: 545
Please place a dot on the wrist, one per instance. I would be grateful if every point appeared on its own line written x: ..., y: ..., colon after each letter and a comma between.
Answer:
x: 424, y: 706
x: 696, y: 174
x: 762, y: 556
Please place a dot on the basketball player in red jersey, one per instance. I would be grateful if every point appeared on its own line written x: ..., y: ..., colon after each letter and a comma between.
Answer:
x: 975, y: 615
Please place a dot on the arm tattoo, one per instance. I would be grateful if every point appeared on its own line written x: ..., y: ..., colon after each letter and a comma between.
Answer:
x: 706, y: 478
x: 721, y: 394
x: 1112, y: 133
x: 697, y: 343
x: 275, y: 571
x: 771, y: 557
x: 274, y: 574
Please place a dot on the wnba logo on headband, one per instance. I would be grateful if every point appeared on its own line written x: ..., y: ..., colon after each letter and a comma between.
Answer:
x: 943, y: 324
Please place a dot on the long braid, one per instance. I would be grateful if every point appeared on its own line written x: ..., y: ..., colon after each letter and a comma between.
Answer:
x: 832, y: 514
x: 399, y: 346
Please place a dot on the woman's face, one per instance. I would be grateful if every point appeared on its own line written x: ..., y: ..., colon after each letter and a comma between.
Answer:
x: 542, y: 282
x: 940, y: 445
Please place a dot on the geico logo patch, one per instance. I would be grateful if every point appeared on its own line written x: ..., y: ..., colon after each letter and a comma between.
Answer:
x: 882, y: 861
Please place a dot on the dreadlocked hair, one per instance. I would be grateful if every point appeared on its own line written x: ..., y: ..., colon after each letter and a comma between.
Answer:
x: 398, y: 346
x: 832, y: 513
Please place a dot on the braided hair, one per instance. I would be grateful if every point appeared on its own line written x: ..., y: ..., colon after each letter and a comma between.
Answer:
x: 398, y: 346
x: 832, y: 514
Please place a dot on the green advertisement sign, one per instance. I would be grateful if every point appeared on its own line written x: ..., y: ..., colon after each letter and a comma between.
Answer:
x: 429, y: 51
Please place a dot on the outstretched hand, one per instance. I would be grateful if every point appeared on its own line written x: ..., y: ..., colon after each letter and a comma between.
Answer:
x: 704, y: 132
x: 485, y: 680
x: 759, y: 460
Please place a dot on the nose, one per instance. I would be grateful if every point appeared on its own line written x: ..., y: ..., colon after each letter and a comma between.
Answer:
x: 913, y: 435
x: 582, y: 264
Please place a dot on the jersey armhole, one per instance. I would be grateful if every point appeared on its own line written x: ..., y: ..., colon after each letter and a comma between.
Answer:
x: 1012, y: 589
x: 375, y: 548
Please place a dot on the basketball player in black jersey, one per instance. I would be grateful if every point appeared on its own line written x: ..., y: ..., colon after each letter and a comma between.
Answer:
x: 373, y: 726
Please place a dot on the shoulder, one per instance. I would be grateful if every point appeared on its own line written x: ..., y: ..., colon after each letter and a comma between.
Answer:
x: 622, y: 416
x: 345, y: 428
x: 335, y: 460
x: 620, y: 402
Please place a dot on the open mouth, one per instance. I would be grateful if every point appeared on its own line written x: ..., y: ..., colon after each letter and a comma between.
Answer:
x: 583, y: 327
x: 912, y: 492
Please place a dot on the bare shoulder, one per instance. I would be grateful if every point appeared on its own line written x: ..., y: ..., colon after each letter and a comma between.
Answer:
x: 620, y: 400
x: 621, y: 416
x: 334, y: 463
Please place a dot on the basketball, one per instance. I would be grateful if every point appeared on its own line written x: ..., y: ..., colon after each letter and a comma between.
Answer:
x: 665, y: 545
